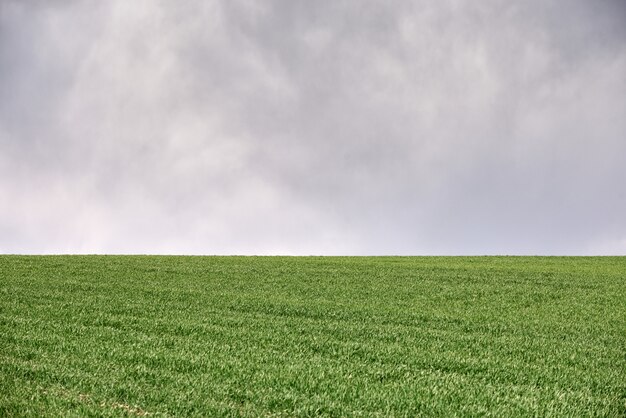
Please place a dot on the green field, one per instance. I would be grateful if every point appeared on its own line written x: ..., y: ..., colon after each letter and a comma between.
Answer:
x: 302, y: 336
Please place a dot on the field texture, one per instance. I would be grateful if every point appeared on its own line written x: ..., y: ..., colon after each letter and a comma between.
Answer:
x: 302, y: 336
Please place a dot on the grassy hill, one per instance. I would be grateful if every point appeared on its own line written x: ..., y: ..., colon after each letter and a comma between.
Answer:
x: 301, y: 336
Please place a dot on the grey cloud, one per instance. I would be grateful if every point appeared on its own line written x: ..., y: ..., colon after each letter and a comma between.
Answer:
x: 313, y: 127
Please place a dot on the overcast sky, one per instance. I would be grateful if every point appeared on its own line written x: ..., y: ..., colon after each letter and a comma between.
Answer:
x: 313, y: 127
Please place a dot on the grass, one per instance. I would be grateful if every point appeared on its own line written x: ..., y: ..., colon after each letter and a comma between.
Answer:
x: 302, y: 336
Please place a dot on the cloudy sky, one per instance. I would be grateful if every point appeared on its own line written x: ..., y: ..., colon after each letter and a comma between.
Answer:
x: 313, y: 127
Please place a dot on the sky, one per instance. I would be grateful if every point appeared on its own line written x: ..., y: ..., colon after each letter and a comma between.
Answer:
x: 304, y: 127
